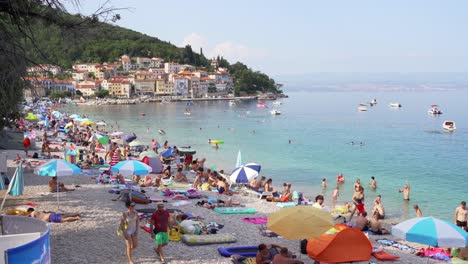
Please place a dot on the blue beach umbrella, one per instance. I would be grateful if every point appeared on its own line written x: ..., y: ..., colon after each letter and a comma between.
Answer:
x: 16, y: 186
x: 431, y: 231
x: 167, y: 153
x: 57, y: 167
x: 246, y: 173
x: 131, y: 167
x: 130, y: 138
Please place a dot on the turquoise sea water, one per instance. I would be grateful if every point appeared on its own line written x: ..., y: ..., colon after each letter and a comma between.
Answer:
x: 399, y: 144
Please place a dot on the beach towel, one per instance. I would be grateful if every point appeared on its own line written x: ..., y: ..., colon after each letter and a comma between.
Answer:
x: 391, y: 243
x: 434, y: 253
x: 193, y: 240
x: 281, y: 205
x: 383, y: 256
x: 234, y: 210
x: 255, y: 220
x: 180, y: 203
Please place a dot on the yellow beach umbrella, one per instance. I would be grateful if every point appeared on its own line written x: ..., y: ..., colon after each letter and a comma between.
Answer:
x: 299, y: 222
x: 31, y: 117
x: 87, y: 123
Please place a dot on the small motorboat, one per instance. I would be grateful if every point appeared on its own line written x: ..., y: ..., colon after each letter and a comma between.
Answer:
x: 449, y: 125
x: 161, y: 132
x: 373, y: 102
x: 232, y: 102
x: 434, y: 110
x: 187, y: 113
x: 277, y: 103
x: 142, y: 114
x: 362, y: 107
x: 395, y: 105
x: 275, y: 112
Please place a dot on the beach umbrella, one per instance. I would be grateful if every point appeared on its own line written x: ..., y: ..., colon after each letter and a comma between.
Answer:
x: 135, y: 143
x: 151, y: 154
x: 103, y: 139
x: 74, y: 116
x: 431, y: 231
x: 16, y: 186
x: 130, y: 138
x: 117, y: 134
x: 87, y: 123
x: 167, y: 153
x: 31, y: 117
x: 101, y: 123
x: 131, y: 167
x: 246, y: 173
x: 155, y: 163
x: 57, y: 168
x: 238, y: 160
x: 57, y: 114
x: 186, y: 151
x: 299, y: 222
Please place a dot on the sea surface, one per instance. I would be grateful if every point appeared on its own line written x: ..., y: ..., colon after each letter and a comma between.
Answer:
x: 312, y: 139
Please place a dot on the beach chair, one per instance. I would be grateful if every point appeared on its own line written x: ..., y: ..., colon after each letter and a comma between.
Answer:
x: 264, y: 194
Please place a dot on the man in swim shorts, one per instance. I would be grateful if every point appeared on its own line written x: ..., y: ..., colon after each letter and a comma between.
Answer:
x: 159, y: 224
x: 461, y: 215
x: 52, y: 217
x: 405, y: 192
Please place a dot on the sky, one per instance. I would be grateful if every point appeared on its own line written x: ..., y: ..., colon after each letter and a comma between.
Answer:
x: 288, y: 38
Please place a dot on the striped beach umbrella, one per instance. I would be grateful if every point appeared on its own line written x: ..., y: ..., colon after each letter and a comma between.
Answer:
x: 131, y: 167
x: 246, y: 173
x: 431, y: 231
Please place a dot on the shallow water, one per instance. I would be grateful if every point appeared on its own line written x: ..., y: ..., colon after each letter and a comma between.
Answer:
x: 397, y: 144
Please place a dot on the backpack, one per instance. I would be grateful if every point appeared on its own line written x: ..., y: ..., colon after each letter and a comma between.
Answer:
x: 303, y: 246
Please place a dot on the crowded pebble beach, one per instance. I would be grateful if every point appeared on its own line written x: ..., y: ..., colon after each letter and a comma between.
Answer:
x: 93, y: 237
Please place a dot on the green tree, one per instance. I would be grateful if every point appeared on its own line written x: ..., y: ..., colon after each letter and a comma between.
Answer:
x: 79, y: 93
x: 102, y: 93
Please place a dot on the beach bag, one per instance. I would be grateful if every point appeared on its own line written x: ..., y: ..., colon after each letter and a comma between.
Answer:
x: 120, y: 230
x: 304, y: 246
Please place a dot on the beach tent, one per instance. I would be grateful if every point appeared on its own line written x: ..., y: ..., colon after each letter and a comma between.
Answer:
x: 348, y: 245
x: 154, y: 162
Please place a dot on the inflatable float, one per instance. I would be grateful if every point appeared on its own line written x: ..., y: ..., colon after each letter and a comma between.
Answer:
x: 161, y: 132
x: 139, y: 198
x: 193, y: 240
x: 234, y: 210
x: 245, y: 251
x: 215, y: 141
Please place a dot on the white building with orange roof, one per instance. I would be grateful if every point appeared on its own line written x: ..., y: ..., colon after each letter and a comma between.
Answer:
x: 44, y: 70
x: 126, y: 62
x: 187, y: 67
x: 157, y: 72
x: 172, y: 67
x: 79, y: 75
x: 200, y: 73
x: 145, y: 86
x: 181, y: 85
x: 87, y: 88
x: 157, y: 63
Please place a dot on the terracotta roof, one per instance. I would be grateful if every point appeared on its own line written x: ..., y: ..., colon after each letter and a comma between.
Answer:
x: 145, y: 80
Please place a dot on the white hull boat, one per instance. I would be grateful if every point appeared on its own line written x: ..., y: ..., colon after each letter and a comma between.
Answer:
x: 395, y: 105
x: 449, y: 125
x: 277, y: 103
x: 434, y: 110
x: 232, y: 103
x: 275, y: 112
x: 362, y: 107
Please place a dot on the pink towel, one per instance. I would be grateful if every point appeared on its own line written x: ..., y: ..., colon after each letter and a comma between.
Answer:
x: 256, y: 221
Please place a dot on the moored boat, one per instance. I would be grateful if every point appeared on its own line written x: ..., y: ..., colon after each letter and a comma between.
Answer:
x: 396, y: 105
x: 449, y: 125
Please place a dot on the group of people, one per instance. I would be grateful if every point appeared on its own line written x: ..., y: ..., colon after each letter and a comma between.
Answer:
x: 262, y: 185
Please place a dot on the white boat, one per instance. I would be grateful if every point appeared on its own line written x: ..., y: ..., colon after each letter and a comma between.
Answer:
x: 362, y: 107
x: 373, y: 102
x: 434, y: 110
x: 397, y: 105
x: 187, y: 113
x: 449, y: 125
x: 232, y: 102
x: 277, y: 103
x: 161, y: 132
x: 275, y: 112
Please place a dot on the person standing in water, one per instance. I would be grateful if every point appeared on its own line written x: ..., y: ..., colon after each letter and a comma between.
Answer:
x: 417, y: 210
x: 406, y: 192
x: 461, y: 216
x: 373, y: 183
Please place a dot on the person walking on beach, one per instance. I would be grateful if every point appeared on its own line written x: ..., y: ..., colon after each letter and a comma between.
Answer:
x: 405, y: 191
x: 461, y: 216
x: 129, y: 224
x: 158, y: 224
x: 418, y: 210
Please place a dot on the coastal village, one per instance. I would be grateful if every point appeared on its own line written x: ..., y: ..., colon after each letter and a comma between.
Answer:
x: 131, y: 76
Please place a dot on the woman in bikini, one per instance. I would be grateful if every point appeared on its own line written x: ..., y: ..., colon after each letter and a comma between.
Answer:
x: 129, y: 224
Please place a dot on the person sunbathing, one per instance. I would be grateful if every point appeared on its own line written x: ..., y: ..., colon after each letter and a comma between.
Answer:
x: 53, y: 184
x: 375, y: 225
x: 284, y: 257
x: 52, y: 217
x: 266, y: 253
x: 180, y: 177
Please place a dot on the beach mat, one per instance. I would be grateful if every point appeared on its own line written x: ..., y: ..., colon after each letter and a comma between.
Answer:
x: 234, y: 210
x: 193, y: 240
x: 281, y: 205
x: 255, y: 220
